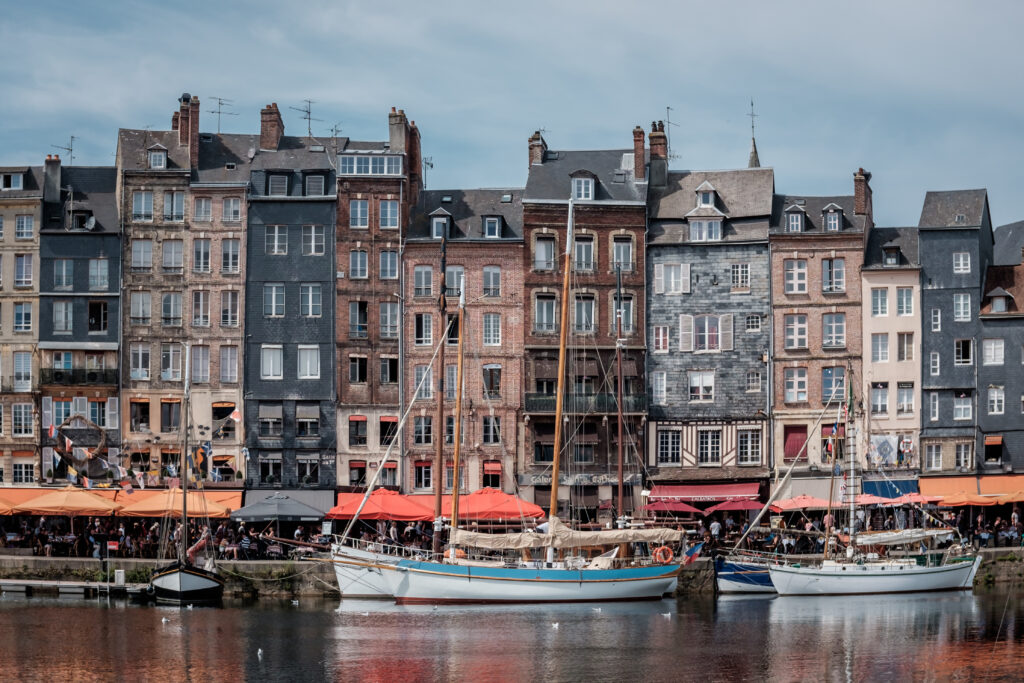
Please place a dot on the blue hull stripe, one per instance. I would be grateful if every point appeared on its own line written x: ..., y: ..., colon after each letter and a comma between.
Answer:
x: 753, y: 574
x: 625, y: 574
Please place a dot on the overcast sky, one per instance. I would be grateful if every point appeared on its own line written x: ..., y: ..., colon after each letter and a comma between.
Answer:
x: 923, y: 95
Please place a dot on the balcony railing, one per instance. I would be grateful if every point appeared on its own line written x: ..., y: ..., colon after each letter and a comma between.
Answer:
x: 586, y: 403
x: 77, y: 376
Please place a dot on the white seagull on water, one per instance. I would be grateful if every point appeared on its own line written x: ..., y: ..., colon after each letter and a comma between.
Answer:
x: 554, y: 625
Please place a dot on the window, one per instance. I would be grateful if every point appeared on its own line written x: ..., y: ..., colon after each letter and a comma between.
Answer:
x: 748, y: 447
x: 833, y: 384
x: 170, y: 362
x: 492, y: 381
x: 170, y: 307
x: 661, y: 338
x: 879, y: 302
x: 891, y: 257
x: 62, y: 317
x: 544, y: 313
x: 709, y: 447
x: 669, y: 447
x: 583, y: 254
x: 964, y: 454
x: 492, y: 281
x: 170, y: 416
x: 880, y: 398
x: 22, y: 317
x: 98, y: 412
x: 140, y: 361
x: 358, y: 312
x: 273, y: 299
x: 357, y: 264
x: 659, y: 391
x: 992, y: 352
x: 933, y: 406
x: 795, y: 331
x: 753, y: 380
x: 309, y: 300
x: 142, y: 206
x: 422, y: 430
x: 705, y: 198
x: 10, y: 181
x: 454, y: 277
x: 314, y: 185
x: 97, y: 312
x: 201, y: 256
x: 357, y: 369
x: 999, y: 304
x: 794, y: 222
x: 904, y: 301
x: 834, y: 330
x: 740, y: 273
x: 22, y: 371
x: 424, y: 381
x: 934, y: 363
x: 201, y: 364
x: 492, y: 430
x: 705, y: 231
x: 936, y: 320
x: 229, y: 364
x: 905, y: 346
x: 21, y: 414
x: 423, y: 281
x: 174, y: 206
x: 584, y: 315
x: 157, y: 159
x: 229, y: 308
x: 389, y: 265
x: 904, y: 398
x: 61, y: 360
x: 424, y: 329
x: 833, y: 221
x: 702, y: 385
x: 963, y: 352
x: 996, y: 400
x: 387, y: 428
x: 962, y: 308
x: 388, y: 214
x: 795, y: 384
x: 424, y: 474
x: 23, y: 270
x: 492, y: 329
x: 201, y: 308
x: 795, y: 276
x: 753, y: 323
x: 389, y: 320
x: 276, y: 243
x: 833, y: 275
x: 962, y: 407
x: 674, y: 278
x: 173, y: 256
x: 229, y: 256
x: 271, y: 419
x: 706, y: 333
x: 438, y: 227
x: 544, y: 253
x: 492, y: 227
x: 202, y: 209
x: 880, y: 347
x: 309, y: 362
x: 582, y: 188
x: 625, y: 313
x: 271, y: 362
x: 961, y: 262
x: 277, y: 185
x: 63, y: 273
x: 312, y: 240
x: 142, y: 255
x: 622, y: 254
x: 933, y: 456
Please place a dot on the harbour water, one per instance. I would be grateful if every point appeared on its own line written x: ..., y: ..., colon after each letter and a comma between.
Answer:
x: 951, y: 636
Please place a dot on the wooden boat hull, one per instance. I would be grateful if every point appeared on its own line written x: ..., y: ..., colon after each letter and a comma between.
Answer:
x: 359, y: 575
x: 742, y: 577
x: 872, y: 577
x: 434, y: 583
x: 179, y: 584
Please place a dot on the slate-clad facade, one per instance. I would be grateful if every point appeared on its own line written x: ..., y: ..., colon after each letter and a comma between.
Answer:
x: 955, y: 251
x: 290, y: 411
x: 708, y: 325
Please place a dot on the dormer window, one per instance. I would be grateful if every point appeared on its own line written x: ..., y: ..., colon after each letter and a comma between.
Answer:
x: 438, y: 226
x: 706, y: 198
x: 794, y: 222
x: 158, y: 159
x: 999, y: 304
x: 705, y: 231
x: 582, y: 188
x: 314, y: 186
x: 492, y: 227
x: 892, y: 257
x: 277, y: 185
x: 10, y: 181
x: 833, y: 221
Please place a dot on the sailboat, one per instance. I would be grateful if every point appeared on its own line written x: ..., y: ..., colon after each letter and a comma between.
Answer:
x: 181, y: 581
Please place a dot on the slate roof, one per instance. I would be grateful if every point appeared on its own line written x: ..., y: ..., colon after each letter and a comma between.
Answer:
x: 133, y: 146
x: 904, y: 239
x: 92, y: 188
x: 613, y: 168
x: 941, y: 209
x: 295, y: 153
x: 31, y: 182
x: 741, y: 193
x: 1009, y: 241
x: 1011, y: 280
x: 812, y: 208
x: 467, y: 209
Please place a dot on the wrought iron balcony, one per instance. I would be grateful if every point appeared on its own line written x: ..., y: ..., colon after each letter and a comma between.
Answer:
x: 78, y: 376
x: 586, y: 403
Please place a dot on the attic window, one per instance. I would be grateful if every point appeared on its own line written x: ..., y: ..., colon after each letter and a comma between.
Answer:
x: 892, y: 257
x: 619, y: 177
x: 794, y: 222
x: 506, y: 198
x: 438, y: 224
x: 206, y: 137
x: 157, y: 159
x: 230, y: 166
x: 82, y: 220
x: 446, y: 199
x: 10, y: 181
x: 492, y: 226
x: 999, y: 304
x: 583, y: 188
x: 314, y: 186
x: 316, y: 148
x: 960, y: 218
x: 277, y: 185
x: 706, y: 198
x: 834, y: 221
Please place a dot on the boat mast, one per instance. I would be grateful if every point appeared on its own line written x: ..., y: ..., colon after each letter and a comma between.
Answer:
x: 618, y: 395
x: 438, y: 429
x: 560, y: 384
x: 458, y: 410
x: 850, y: 491
x: 184, y: 456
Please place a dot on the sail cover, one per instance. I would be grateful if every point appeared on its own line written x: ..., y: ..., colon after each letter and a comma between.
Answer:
x: 561, y: 536
x: 903, y: 536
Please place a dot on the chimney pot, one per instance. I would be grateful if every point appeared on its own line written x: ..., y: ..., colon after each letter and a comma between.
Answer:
x: 537, y: 148
x: 862, y: 204
x: 638, y: 153
x: 271, y: 127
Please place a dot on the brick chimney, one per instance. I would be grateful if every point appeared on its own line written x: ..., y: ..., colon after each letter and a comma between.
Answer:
x: 184, y: 110
x: 51, y: 178
x: 537, y: 148
x: 271, y: 127
x: 398, y: 130
x: 659, y: 154
x: 174, y: 120
x: 193, y: 133
x: 638, y: 153
x: 861, y: 192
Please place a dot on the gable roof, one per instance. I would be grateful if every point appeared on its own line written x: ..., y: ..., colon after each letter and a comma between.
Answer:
x: 941, y: 209
x: 1009, y: 279
x: 879, y: 239
x: 1009, y: 241
x: 31, y: 182
x: 467, y: 209
x: 743, y: 193
x: 814, y: 208
x: 86, y: 188
x: 613, y: 169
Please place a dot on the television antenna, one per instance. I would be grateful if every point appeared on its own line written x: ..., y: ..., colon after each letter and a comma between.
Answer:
x: 219, y: 111
x: 428, y: 162
x: 307, y: 112
x: 668, y: 132
x: 70, y: 149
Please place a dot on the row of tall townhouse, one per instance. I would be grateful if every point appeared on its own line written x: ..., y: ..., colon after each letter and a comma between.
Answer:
x: 279, y: 299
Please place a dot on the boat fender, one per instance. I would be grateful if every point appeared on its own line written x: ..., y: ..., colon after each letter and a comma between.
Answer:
x: 663, y: 554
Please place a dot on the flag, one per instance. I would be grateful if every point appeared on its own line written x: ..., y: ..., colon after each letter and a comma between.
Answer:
x: 127, y: 486
x: 86, y: 482
x: 67, y: 445
x: 72, y: 474
x: 692, y: 553
x: 56, y: 461
x: 236, y: 415
x: 53, y: 430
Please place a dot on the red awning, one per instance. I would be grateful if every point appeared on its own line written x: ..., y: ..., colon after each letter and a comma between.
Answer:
x: 389, y: 418
x: 491, y: 467
x: 390, y: 465
x: 382, y: 504
x: 357, y: 463
x: 705, y: 492
x: 993, y: 440
x: 357, y: 418
x: 826, y: 431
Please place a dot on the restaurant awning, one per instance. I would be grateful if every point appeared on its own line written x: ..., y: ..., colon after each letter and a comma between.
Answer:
x: 320, y: 500
x: 889, y: 488
x: 382, y: 504
x: 168, y: 502
x: 670, y: 506
x: 69, y: 501
x: 492, y: 467
x: 995, y: 484
x: 947, y: 486
x: 705, y: 492
x: 278, y: 507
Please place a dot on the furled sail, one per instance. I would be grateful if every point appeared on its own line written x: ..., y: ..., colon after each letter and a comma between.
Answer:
x: 561, y: 536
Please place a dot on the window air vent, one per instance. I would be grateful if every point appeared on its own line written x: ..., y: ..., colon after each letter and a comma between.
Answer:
x: 506, y: 198
x: 230, y: 166
x: 446, y: 199
x: 960, y: 218
x: 316, y: 148
x: 206, y: 137
x: 800, y: 202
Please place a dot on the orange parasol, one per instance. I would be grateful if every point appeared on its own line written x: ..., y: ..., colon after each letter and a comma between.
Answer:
x: 69, y: 502
x: 168, y: 503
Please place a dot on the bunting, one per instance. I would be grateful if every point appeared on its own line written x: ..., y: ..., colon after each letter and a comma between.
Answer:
x: 52, y: 431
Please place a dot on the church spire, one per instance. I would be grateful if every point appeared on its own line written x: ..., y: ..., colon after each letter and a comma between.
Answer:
x: 753, y: 161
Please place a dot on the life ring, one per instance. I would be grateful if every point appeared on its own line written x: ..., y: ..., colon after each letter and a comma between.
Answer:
x: 663, y: 554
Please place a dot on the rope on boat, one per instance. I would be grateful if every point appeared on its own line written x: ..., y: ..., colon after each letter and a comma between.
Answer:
x: 221, y: 568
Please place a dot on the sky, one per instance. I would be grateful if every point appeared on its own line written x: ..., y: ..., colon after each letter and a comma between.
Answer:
x: 926, y: 96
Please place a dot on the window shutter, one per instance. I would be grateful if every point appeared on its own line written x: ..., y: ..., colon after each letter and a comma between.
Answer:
x: 686, y: 333
x: 659, y: 278
x: 80, y: 406
x: 113, y: 456
x: 112, y: 413
x: 725, y: 327
x: 47, y: 412
x: 685, y: 277
x: 48, y: 461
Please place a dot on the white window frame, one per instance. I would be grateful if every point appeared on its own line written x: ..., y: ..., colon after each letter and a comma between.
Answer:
x: 358, y: 267
x: 992, y: 352
x: 583, y: 189
x: 833, y: 275
x: 795, y: 382
x: 229, y: 364
x: 748, y: 447
x: 963, y: 407
x: 388, y: 264
x: 492, y: 227
x: 936, y: 320
x: 833, y: 330
x: 961, y: 307
x: 140, y: 361
x: 662, y: 340
x: 308, y: 361
x: 231, y: 210
x: 273, y: 299
x: 959, y: 359
x: 659, y: 388
x: 277, y: 185
x: 933, y: 406
x: 832, y: 221
x: 934, y: 364
x: 315, y: 185
x: 271, y: 362
x: 880, y: 347
x: 709, y: 447
x: 310, y: 300
x: 202, y: 209
x: 794, y: 222
x: 359, y: 214
x: 388, y: 218
x: 795, y: 331
x: 740, y: 276
x: 961, y: 262
x: 201, y: 255
x: 701, y: 386
x: 904, y: 301
x: 313, y: 243
x: 276, y: 240
x: 231, y: 256
x: 492, y: 329
x: 157, y: 159
x: 795, y: 276
x: 933, y: 457
x: 753, y: 380
x: 996, y: 400
x: 879, y: 302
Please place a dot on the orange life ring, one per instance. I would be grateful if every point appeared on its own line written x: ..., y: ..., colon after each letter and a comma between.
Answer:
x: 663, y: 554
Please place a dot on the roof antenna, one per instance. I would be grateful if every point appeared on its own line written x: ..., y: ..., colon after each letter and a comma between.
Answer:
x: 668, y: 132
x: 70, y: 149
x: 754, y: 161
x: 219, y: 111
x: 307, y: 115
x: 428, y: 162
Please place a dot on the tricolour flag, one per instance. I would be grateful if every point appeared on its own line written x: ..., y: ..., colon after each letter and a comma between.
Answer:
x: 692, y: 553
x: 236, y: 415
x: 52, y: 431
